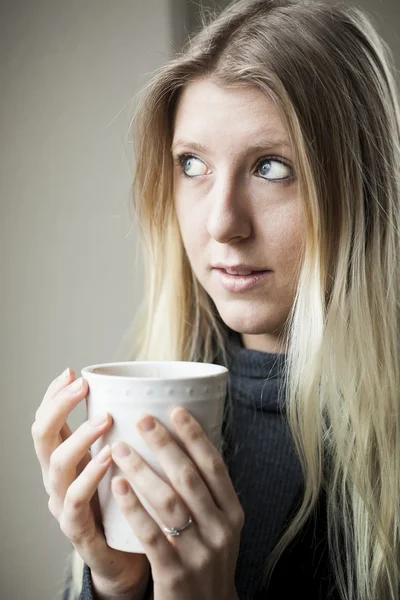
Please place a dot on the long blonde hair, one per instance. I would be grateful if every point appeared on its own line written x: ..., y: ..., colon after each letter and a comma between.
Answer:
x: 332, y: 77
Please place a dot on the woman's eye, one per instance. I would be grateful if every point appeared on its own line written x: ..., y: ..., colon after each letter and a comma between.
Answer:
x: 268, y: 171
x: 192, y: 166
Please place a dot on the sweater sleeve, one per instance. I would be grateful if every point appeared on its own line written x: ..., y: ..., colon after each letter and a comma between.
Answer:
x: 87, y: 588
x: 87, y: 592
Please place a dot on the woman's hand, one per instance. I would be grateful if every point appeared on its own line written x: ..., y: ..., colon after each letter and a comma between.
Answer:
x: 199, y: 563
x: 71, y: 478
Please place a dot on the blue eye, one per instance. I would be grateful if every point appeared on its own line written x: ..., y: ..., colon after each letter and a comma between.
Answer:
x: 191, y: 167
x: 188, y: 163
x: 266, y: 171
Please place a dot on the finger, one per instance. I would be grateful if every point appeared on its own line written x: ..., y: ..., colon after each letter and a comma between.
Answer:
x: 159, y: 551
x: 59, y: 383
x: 46, y: 430
x: 206, y: 457
x: 184, y: 476
x: 65, y: 432
x: 169, y: 507
x: 77, y: 519
x: 64, y: 459
x: 67, y: 377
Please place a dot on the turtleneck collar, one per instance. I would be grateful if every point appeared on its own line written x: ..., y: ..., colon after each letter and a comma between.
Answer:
x: 253, y: 364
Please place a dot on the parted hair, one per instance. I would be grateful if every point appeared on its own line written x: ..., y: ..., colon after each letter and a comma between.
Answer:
x: 332, y: 77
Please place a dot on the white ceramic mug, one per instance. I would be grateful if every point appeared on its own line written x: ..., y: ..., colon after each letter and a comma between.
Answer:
x: 128, y: 390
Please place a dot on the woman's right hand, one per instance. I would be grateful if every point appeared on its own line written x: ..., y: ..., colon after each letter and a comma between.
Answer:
x: 71, y: 477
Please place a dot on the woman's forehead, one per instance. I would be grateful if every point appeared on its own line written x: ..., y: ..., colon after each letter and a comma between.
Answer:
x: 206, y: 111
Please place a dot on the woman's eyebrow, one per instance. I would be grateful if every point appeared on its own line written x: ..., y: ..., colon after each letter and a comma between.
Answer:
x: 266, y: 144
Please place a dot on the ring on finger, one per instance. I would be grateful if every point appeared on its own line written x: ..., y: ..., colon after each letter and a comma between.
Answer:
x: 177, y: 530
x: 144, y: 479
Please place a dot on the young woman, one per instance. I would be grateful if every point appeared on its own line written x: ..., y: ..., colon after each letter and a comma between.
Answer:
x: 267, y: 190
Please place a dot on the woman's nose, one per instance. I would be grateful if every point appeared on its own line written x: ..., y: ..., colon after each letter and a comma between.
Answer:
x: 229, y: 214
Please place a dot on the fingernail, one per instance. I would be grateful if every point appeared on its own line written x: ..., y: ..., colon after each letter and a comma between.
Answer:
x: 77, y: 385
x: 104, y: 454
x: 147, y: 424
x: 121, y: 486
x: 99, y: 419
x: 66, y: 374
x: 180, y: 416
x: 120, y: 449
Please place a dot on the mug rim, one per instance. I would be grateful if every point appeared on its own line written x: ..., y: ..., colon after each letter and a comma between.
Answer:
x: 89, y: 370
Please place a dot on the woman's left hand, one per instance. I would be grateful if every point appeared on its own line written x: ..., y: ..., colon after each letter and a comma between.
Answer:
x: 199, y: 563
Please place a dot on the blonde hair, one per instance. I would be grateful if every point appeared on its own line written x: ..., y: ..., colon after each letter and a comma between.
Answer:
x: 332, y: 77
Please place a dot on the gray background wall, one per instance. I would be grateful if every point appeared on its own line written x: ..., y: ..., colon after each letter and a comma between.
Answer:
x: 70, y: 284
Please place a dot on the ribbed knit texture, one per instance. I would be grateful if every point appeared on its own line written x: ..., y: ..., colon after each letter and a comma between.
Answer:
x: 262, y: 464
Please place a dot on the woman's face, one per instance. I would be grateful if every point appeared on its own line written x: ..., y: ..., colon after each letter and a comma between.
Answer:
x: 237, y: 202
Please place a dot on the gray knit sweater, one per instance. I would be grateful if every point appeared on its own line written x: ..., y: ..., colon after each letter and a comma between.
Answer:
x: 267, y: 477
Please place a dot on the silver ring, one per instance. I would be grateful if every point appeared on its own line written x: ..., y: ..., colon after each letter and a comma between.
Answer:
x: 177, y: 530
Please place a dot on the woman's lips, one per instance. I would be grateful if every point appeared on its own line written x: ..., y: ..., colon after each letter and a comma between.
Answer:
x: 240, y: 283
